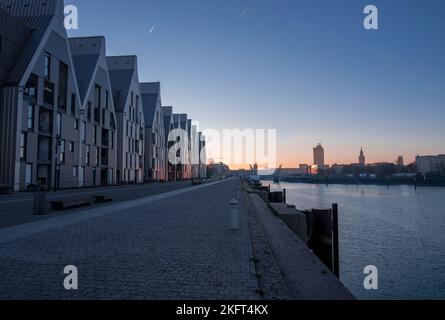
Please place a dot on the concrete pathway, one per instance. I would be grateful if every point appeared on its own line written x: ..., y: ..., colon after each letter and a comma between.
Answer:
x: 170, y: 246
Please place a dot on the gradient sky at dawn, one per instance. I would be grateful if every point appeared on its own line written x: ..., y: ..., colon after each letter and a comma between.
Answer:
x: 307, y: 68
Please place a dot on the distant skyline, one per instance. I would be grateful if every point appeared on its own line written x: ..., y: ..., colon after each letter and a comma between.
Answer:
x: 306, y: 68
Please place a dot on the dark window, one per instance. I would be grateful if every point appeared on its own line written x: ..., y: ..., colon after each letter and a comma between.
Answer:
x: 47, y: 70
x: 71, y: 146
x: 104, y: 137
x: 97, y: 156
x: 23, y: 146
x: 76, y: 124
x: 94, y: 135
x: 48, y: 93
x: 107, y: 97
x: 89, y: 111
x: 63, y: 85
x: 30, y: 117
x: 87, y: 155
x: 73, y: 105
x: 112, y: 123
x: 97, y: 107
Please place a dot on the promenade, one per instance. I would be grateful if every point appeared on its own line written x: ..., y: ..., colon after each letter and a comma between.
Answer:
x: 168, y: 245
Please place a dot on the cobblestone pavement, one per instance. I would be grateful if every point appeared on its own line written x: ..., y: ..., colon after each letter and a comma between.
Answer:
x: 17, y: 208
x: 175, y: 248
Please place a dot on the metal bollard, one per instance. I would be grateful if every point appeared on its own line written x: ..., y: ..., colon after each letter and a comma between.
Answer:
x: 234, y: 214
x: 39, y: 204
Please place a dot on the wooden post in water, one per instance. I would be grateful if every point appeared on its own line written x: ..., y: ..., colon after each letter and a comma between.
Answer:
x: 336, y: 253
x: 284, y: 195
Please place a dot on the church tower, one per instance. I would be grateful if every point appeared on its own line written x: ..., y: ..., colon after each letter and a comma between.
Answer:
x: 361, y: 158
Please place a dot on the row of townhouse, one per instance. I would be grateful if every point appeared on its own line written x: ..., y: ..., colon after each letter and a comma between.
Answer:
x: 72, y: 117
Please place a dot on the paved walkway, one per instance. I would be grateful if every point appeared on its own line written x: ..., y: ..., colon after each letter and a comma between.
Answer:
x: 17, y: 208
x: 170, y: 246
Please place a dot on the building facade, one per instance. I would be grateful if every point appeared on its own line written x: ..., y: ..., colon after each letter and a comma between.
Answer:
x: 431, y: 164
x: 319, y: 156
x: 167, y: 113
x: 39, y: 141
x: 155, y: 142
x: 123, y: 72
x: 98, y: 131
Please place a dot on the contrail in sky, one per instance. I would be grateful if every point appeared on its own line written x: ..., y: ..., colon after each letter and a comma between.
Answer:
x: 152, y: 29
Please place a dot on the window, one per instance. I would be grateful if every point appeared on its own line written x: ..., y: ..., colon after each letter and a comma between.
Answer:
x: 97, y: 107
x: 95, y: 135
x: 30, y: 117
x: 112, y: 140
x: 63, y: 85
x: 89, y: 111
x: 76, y: 124
x: 97, y: 156
x: 48, y: 93
x: 23, y: 146
x: 47, y: 70
x: 83, y: 131
x: 75, y: 171
x: 62, y: 151
x: 28, y: 176
x: 59, y: 124
x: 73, y: 105
x: 87, y: 155
x: 107, y: 96
x: 71, y: 146
x: 112, y: 123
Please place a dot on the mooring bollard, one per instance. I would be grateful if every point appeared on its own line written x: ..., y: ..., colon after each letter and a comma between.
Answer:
x: 39, y: 203
x: 234, y: 214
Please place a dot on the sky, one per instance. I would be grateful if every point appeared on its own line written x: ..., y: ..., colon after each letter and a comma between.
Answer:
x: 306, y: 68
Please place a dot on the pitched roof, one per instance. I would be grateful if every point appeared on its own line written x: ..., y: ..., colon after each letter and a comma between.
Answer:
x: 151, y: 99
x: 36, y: 15
x: 121, y: 71
x: 180, y: 120
x: 86, y: 53
x: 167, y: 114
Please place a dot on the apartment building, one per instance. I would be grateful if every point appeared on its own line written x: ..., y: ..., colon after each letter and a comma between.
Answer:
x: 167, y: 113
x: 123, y: 73
x: 39, y: 142
x: 97, y: 124
x: 155, y: 142
x: 182, y: 169
x: 203, y: 156
x: 72, y: 117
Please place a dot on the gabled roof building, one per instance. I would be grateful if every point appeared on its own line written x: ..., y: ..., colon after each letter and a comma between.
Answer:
x: 123, y: 72
x: 39, y: 138
x: 98, y: 131
x: 155, y: 142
